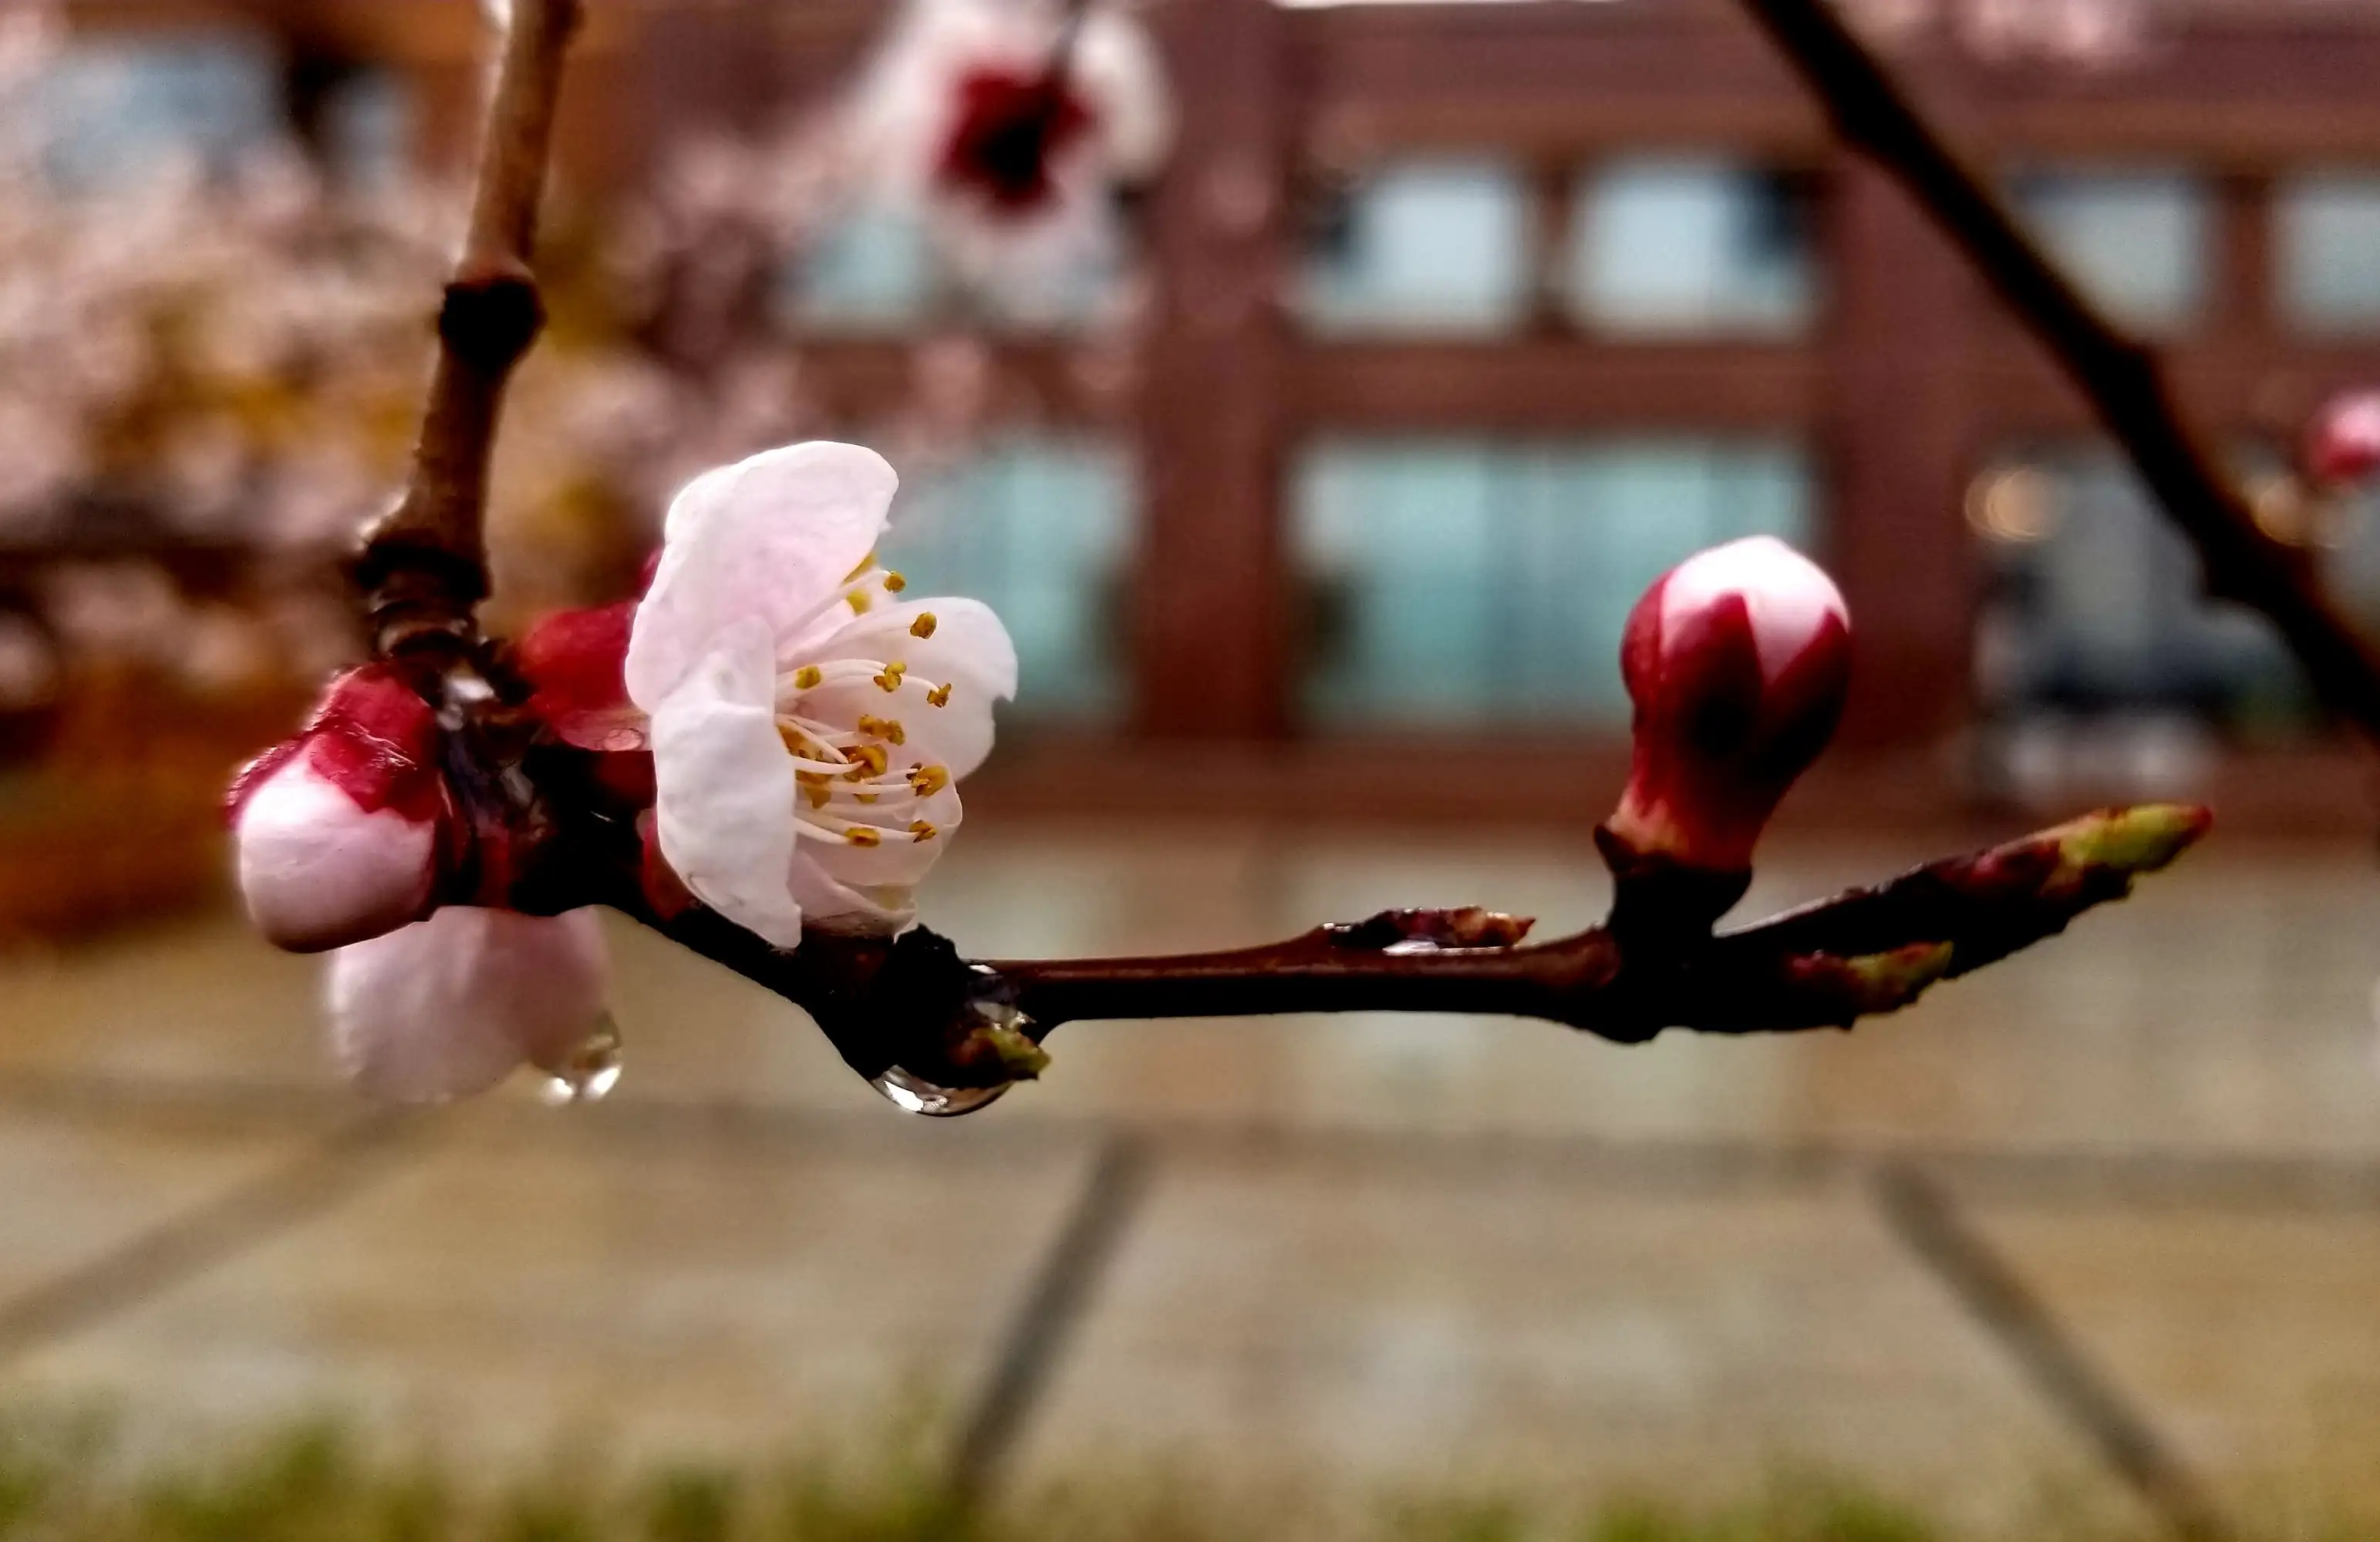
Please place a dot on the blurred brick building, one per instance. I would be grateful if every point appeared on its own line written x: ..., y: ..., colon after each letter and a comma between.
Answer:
x: 1467, y: 319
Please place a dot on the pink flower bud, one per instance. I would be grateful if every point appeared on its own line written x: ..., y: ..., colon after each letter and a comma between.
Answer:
x: 338, y: 830
x: 2342, y: 444
x: 1737, y: 661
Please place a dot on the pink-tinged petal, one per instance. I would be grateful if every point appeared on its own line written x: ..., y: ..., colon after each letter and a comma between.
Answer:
x: 725, y: 788
x: 963, y: 641
x: 453, y: 1005
x: 772, y: 540
x: 317, y: 870
x: 576, y: 663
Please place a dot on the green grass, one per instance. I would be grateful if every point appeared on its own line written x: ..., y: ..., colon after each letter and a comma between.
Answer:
x: 76, y: 1481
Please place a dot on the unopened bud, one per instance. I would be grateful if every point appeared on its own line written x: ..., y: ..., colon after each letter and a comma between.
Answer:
x: 338, y: 830
x: 2342, y: 444
x: 1738, y: 661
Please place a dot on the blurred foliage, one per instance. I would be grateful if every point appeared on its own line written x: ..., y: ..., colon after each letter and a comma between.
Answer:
x: 77, y: 1481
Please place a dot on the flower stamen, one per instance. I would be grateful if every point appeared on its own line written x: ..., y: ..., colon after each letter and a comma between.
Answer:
x: 940, y: 695
x: 890, y: 681
x: 923, y: 627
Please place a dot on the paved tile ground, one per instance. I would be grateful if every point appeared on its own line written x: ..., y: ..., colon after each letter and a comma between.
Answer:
x: 1375, y: 1253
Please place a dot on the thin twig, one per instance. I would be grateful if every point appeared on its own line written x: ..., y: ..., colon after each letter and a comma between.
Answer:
x: 424, y: 567
x: 914, y: 1003
x: 2121, y: 377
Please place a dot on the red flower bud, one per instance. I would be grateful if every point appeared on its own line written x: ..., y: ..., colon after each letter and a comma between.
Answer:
x: 2342, y: 444
x: 1011, y: 126
x: 1738, y: 661
x: 341, y: 831
x: 575, y: 664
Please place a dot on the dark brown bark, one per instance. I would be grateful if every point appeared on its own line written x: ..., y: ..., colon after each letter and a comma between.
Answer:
x: 424, y: 566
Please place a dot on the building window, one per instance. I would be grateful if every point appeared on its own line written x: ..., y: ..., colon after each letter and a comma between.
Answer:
x: 1439, y: 246
x: 1042, y: 531
x: 114, y: 110
x: 2094, y: 607
x: 1461, y: 583
x: 2135, y: 239
x: 1691, y: 244
x: 878, y: 268
x: 368, y: 129
x: 2329, y: 238
x: 871, y: 271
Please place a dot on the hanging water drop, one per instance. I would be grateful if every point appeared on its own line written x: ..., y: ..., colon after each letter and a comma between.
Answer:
x: 589, y: 1073
x: 1002, y: 1026
x: 918, y: 1096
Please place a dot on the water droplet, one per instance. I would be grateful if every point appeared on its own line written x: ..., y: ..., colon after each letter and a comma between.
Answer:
x: 591, y: 1073
x: 918, y: 1096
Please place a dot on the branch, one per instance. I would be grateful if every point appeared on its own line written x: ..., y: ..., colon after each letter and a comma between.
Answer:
x: 915, y: 1003
x: 2121, y: 376
x: 424, y: 567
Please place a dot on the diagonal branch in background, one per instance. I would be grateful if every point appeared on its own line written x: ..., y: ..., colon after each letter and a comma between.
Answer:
x: 424, y: 566
x: 2123, y: 378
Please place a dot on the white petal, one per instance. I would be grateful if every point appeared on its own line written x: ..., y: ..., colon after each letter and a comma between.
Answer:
x: 319, y: 872
x: 830, y: 904
x: 969, y: 643
x: 956, y: 737
x: 725, y: 789
x: 1118, y: 68
x: 769, y: 540
x: 900, y: 863
x: 453, y: 1005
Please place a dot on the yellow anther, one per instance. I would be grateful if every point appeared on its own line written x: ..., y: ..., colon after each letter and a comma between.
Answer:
x: 807, y: 678
x: 924, y: 831
x: 817, y: 794
x: 940, y: 695
x: 924, y: 626
x: 866, y: 798
x: 891, y: 679
x: 794, y: 738
x: 866, y: 761
x: 860, y: 600
x: 864, y: 836
x: 926, y: 780
x: 895, y: 583
x: 887, y: 729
